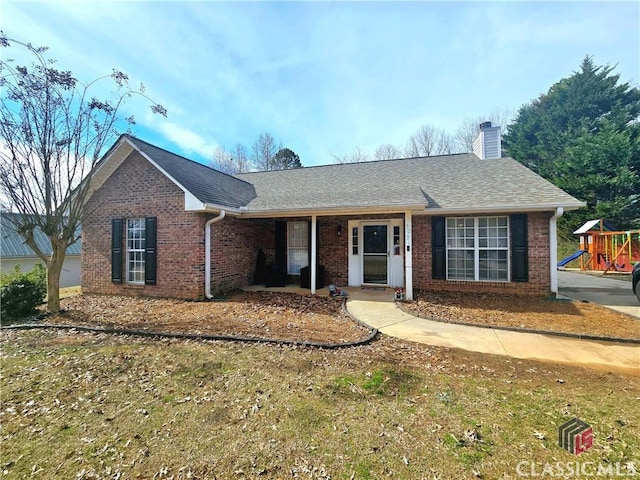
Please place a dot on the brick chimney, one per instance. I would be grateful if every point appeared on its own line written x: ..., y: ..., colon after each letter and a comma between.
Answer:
x: 487, y: 144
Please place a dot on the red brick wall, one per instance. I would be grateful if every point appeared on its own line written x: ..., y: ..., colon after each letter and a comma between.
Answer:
x: 539, y: 273
x: 234, y: 251
x: 332, y: 249
x: 136, y: 190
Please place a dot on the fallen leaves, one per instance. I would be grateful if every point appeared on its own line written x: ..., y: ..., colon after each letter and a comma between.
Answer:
x: 278, y: 316
x: 529, y: 312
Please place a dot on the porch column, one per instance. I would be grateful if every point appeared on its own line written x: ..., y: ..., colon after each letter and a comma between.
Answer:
x: 314, y: 250
x: 408, y: 262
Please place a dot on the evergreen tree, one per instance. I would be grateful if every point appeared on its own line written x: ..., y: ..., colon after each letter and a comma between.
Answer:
x: 583, y: 135
x: 286, y: 159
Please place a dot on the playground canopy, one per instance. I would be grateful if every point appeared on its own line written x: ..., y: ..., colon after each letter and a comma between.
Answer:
x: 604, y: 226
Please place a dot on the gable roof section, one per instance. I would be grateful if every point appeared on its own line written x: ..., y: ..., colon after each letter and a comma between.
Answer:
x: 12, y: 244
x: 208, y: 185
x: 447, y: 184
x: 204, y: 187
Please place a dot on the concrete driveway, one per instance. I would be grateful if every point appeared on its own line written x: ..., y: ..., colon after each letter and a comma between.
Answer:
x: 610, y: 292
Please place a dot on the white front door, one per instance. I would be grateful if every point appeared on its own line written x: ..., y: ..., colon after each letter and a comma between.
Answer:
x: 376, y: 253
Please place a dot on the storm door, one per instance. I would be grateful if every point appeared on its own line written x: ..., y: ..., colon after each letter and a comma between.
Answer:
x: 375, y: 254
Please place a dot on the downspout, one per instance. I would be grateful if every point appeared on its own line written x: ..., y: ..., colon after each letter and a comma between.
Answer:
x: 553, y: 248
x: 207, y: 253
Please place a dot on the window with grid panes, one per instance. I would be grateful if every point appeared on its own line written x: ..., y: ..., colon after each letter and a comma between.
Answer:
x: 478, y: 248
x: 135, y: 250
x: 297, y: 246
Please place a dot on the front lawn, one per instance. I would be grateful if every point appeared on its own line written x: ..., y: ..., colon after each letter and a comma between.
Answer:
x: 87, y: 406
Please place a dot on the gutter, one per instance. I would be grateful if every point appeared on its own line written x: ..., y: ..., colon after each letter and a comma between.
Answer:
x: 553, y: 248
x: 207, y: 253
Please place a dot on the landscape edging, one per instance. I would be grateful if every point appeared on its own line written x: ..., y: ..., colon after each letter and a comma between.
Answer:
x: 373, y: 332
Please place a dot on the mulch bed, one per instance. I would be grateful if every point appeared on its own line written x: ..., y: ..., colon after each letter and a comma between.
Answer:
x: 278, y: 316
x: 307, y: 318
x: 535, y: 313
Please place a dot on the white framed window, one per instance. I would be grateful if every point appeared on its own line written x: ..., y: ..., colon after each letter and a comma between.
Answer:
x: 297, y: 246
x: 136, y: 233
x: 478, y: 248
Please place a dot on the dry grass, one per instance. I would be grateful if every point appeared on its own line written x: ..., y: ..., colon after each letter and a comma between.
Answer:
x: 91, y: 406
x: 67, y: 292
x: 95, y: 406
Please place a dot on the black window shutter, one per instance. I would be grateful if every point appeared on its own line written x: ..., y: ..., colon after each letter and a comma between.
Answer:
x: 438, y: 248
x: 519, y: 248
x: 281, y: 245
x: 116, y: 250
x: 150, y: 250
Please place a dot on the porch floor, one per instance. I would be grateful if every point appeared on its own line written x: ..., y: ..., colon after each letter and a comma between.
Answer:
x: 379, y: 294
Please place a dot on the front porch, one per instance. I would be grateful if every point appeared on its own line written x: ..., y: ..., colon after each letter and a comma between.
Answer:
x: 373, y: 294
x: 350, y: 251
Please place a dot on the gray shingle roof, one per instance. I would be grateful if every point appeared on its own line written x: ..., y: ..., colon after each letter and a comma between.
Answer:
x: 12, y: 244
x: 448, y: 182
x: 206, y: 184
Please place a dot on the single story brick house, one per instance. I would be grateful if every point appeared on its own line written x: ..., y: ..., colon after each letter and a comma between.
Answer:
x: 158, y: 224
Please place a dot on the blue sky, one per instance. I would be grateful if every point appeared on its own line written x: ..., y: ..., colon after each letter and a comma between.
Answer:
x: 326, y: 77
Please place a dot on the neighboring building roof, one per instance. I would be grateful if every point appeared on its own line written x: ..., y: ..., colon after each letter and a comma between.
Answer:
x: 12, y: 244
x: 448, y: 182
x: 205, y: 183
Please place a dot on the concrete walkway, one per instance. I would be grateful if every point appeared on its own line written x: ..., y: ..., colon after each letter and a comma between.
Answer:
x: 377, y: 308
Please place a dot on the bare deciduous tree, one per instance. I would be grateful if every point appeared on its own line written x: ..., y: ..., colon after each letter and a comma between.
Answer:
x: 469, y: 128
x: 387, y: 152
x: 263, y: 151
x: 222, y: 161
x: 241, y: 158
x: 53, y: 133
x: 230, y: 162
x: 427, y: 141
x: 356, y: 156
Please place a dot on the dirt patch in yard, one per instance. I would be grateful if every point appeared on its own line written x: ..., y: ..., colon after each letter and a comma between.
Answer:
x: 278, y: 316
x: 536, y: 313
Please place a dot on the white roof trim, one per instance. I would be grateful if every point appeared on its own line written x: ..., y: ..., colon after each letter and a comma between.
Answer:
x: 383, y: 209
x: 499, y: 209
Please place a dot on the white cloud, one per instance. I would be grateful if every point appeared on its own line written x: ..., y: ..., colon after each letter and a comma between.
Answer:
x: 324, y: 77
x: 186, y: 140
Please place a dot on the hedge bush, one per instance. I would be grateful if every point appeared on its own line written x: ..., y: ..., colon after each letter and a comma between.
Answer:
x: 21, y: 293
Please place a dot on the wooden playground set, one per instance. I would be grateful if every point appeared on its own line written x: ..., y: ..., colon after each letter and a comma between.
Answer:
x: 604, y: 249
